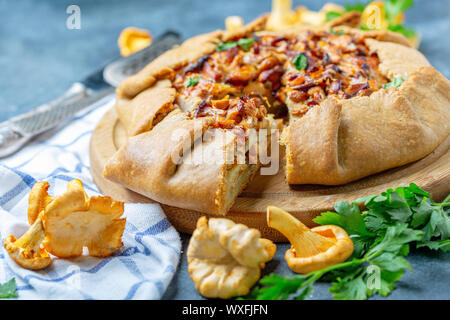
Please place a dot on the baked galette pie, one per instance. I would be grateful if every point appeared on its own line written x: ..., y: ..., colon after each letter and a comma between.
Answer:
x: 353, y: 102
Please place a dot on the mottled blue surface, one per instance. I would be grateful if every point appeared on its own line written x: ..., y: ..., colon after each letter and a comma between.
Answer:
x: 40, y: 58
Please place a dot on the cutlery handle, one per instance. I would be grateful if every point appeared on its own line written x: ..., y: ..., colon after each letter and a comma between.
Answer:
x: 10, y: 139
x: 75, y: 92
x: 15, y: 132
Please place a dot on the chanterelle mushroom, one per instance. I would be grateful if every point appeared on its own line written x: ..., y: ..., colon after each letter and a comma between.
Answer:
x: 38, y: 200
x: 65, y: 225
x: 312, y: 249
x: 27, y: 251
x: 132, y: 40
x: 225, y: 258
x: 73, y: 221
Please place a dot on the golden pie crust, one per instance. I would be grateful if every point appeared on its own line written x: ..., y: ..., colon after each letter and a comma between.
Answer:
x: 335, y: 142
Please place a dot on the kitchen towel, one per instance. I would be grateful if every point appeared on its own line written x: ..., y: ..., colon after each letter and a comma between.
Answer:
x: 141, y: 269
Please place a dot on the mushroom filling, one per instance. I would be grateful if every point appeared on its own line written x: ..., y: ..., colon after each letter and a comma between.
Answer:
x: 299, y: 71
x: 240, y: 111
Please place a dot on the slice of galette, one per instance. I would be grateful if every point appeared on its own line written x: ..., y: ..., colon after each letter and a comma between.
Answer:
x: 200, y: 160
x: 359, y: 106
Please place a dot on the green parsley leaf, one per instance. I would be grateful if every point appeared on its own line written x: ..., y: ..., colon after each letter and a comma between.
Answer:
x: 364, y: 28
x: 360, y: 245
x: 300, y: 62
x: 395, y: 237
x: 381, y: 235
x: 329, y: 217
x: 349, y: 289
x: 8, y: 289
x: 391, y: 262
x: 359, y: 7
x: 399, y: 28
x: 396, y: 82
x: 396, y: 207
x: 376, y: 221
x: 437, y: 226
x: 347, y: 217
x: 387, y: 281
x: 223, y: 46
x: 422, y: 213
x: 337, y: 33
x: 414, y: 188
x: 277, y: 287
x: 443, y: 245
x: 395, y: 7
x: 192, y: 82
x: 331, y: 15
x: 246, y: 43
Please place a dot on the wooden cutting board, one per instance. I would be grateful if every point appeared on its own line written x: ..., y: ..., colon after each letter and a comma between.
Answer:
x: 304, y: 201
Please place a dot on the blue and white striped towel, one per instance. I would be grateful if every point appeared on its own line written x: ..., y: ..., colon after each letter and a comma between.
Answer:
x: 141, y: 269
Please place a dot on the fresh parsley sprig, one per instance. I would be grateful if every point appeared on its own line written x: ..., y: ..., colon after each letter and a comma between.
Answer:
x: 244, y: 43
x: 392, y: 9
x: 395, y: 7
x: 331, y: 15
x: 8, y: 290
x: 336, y: 33
x: 382, y: 235
x: 359, y: 7
x: 192, y: 82
x: 300, y: 62
x: 400, y: 28
x: 395, y: 83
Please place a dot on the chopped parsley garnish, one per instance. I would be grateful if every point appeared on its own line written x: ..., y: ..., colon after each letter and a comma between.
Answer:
x: 192, y: 82
x: 396, y: 82
x: 355, y: 7
x: 395, y: 7
x: 8, y: 289
x: 337, y: 33
x: 300, y: 62
x: 224, y: 46
x: 382, y: 235
x: 359, y: 7
x: 399, y: 28
x: 331, y: 15
x: 244, y: 43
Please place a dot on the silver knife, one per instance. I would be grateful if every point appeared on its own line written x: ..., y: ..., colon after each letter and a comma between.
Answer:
x: 17, y: 131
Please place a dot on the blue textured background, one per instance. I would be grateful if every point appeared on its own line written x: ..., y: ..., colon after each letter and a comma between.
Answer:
x: 40, y: 58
